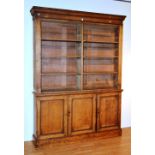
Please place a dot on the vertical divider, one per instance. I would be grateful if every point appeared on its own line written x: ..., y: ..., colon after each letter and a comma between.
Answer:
x: 82, y: 53
x: 120, y: 56
x: 37, y: 53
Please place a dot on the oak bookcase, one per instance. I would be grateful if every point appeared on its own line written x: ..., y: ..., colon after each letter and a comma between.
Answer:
x: 77, y: 73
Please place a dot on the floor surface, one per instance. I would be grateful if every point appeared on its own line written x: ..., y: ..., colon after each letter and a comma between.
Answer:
x: 89, y: 146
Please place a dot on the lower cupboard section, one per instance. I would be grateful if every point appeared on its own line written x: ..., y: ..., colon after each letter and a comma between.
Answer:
x: 68, y: 115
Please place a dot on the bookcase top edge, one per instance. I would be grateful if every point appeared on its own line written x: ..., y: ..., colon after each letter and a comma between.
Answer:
x: 37, y: 9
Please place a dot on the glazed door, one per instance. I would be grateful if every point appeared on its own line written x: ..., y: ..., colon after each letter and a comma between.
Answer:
x: 52, y: 116
x: 108, y: 111
x: 82, y: 114
x: 60, y: 55
x: 101, y: 53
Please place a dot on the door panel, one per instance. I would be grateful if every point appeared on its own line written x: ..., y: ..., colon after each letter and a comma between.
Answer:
x: 82, y: 109
x: 53, y: 120
x: 107, y: 112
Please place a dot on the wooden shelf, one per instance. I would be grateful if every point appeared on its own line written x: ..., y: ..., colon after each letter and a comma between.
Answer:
x: 65, y: 73
x: 60, y: 73
x: 61, y: 57
x: 113, y: 57
x: 60, y: 89
x: 78, y: 41
x: 100, y: 42
x: 93, y: 88
x: 91, y: 73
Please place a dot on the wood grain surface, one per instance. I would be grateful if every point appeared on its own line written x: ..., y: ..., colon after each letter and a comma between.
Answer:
x: 88, y: 146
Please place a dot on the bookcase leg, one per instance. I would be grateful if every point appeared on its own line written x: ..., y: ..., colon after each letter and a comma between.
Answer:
x: 35, y: 141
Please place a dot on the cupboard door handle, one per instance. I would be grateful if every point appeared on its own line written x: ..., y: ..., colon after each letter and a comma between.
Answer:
x: 68, y: 113
x: 98, y: 111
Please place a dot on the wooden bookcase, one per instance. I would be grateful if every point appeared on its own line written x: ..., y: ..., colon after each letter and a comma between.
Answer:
x: 77, y: 73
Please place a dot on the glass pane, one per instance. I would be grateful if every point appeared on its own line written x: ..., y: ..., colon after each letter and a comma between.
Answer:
x: 56, y: 30
x: 96, y: 50
x: 100, y: 65
x: 100, y: 33
x: 60, y: 55
x: 99, y: 81
x: 60, y: 82
x: 60, y: 65
x: 53, y: 49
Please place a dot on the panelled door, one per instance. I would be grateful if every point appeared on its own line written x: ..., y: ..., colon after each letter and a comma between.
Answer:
x: 82, y: 114
x: 52, y: 112
x: 108, y: 111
